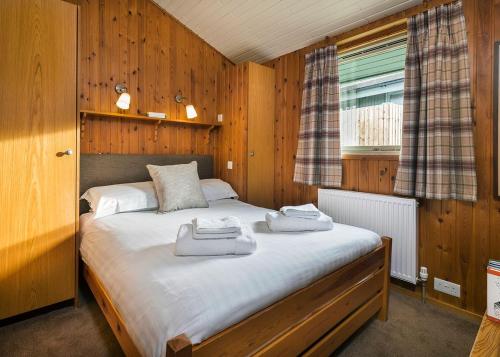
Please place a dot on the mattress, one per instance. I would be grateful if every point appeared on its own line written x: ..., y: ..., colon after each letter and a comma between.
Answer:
x: 160, y: 295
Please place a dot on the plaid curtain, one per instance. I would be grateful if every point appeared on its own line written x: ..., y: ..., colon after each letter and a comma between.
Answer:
x: 318, y: 160
x: 437, y: 154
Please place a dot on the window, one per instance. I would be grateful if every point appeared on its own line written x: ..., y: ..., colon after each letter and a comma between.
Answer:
x: 371, y: 97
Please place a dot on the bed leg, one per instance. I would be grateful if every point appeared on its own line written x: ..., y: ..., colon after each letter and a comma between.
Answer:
x: 384, y: 311
x: 179, y: 346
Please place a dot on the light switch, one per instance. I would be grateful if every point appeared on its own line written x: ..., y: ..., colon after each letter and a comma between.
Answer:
x: 229, y: 165
x: 219, y: 117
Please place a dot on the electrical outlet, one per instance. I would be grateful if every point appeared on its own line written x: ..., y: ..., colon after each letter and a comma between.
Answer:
x: 229, y: 165
x: 447, y: 287
x: 220, y: 117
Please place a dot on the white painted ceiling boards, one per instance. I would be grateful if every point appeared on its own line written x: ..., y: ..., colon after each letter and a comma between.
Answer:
x: 260, y: 30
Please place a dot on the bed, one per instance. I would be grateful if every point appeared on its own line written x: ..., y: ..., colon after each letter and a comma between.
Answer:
x: 299, y: 293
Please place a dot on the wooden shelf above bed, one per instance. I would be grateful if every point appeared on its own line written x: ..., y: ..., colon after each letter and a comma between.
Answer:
x: 84, y: 113
x: 157, y: 121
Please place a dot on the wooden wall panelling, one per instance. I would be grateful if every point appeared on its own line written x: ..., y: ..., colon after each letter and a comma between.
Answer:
x: 163, y: 80
x: 384, y: 177
x: 364, y: 177
x: 495, y: 204
x: 293, y: 103
x: 464, y: 211
x: 136, y: 43
x: 131, y: 75
x: 241, y: 141
x: 456, y: 238
x: 279, y: 159
x: 393, y: 170
x: 232, y: 136
x: 373, y: 175
x: 289, y: 81
x: 145, y: 95
x: 484, y: 158
x: 114, y: 71
x: 350, y: 174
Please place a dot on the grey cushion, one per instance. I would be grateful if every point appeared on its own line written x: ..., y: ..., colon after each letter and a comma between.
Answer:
x: 177, y: 186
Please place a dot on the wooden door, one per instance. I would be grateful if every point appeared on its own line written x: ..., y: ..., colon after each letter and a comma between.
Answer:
x: 38, y: 116
x: 260, y: 181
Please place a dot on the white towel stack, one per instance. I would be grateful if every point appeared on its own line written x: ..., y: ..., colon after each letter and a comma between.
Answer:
x: 216, y: 228
x: 215, y: 237
x: 298, y: 219
x: 307, y: 211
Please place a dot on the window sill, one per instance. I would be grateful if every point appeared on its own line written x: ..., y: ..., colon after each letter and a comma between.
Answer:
x: 388, y: 155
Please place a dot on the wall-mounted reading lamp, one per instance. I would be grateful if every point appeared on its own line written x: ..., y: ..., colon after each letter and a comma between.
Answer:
x: 190, y: 111
x: 123, y: 101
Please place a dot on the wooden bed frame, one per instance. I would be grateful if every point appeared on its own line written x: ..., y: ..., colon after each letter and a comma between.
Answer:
x: 313, y: 321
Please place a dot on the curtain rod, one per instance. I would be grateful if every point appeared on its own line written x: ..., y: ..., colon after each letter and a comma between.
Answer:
x: 388, y: 26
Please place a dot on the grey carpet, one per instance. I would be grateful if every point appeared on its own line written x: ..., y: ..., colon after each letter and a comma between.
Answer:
x: 414, y: 329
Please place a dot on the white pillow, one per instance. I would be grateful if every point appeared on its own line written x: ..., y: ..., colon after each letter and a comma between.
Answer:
x: 127, y: 197
x: 215, y: 189
x: 177, y: 186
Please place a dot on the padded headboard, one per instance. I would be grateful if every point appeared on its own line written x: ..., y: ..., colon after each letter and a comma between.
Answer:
x: 110, y: 169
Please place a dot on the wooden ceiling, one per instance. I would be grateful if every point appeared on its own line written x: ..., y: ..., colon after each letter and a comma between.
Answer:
x: 261, y: 30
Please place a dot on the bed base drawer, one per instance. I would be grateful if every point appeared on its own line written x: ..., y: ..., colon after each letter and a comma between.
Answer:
x: 305, y: 334
x: 329, y: 343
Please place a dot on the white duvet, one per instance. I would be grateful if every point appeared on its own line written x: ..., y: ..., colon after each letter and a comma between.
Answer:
x: 160, y: 295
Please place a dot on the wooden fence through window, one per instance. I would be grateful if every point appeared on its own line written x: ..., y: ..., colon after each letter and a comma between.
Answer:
x: 376, y: 125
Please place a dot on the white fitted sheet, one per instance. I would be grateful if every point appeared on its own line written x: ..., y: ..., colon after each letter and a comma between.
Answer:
x: 160, y: 295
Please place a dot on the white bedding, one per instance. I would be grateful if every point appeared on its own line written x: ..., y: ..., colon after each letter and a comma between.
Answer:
x: 160, y: 295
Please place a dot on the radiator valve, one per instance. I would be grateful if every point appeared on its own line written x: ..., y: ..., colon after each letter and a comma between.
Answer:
x: 423, y: 274
x: 422, y: 279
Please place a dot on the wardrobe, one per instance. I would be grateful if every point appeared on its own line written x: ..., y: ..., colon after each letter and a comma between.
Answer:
x: 38, y: 153
x: 245, y: 147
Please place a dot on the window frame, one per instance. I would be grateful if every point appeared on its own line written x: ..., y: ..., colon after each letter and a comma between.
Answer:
x: 382, y: 150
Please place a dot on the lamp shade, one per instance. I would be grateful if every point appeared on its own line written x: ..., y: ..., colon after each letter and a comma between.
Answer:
x: 123, y: 101
x: 191, y: 112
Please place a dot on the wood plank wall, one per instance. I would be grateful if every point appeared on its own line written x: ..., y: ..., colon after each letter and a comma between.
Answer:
x: 136, y: 43
x: 456, y: 238
x: 232, y: 136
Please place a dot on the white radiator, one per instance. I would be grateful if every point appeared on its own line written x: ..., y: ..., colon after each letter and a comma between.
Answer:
x: 389, y: 216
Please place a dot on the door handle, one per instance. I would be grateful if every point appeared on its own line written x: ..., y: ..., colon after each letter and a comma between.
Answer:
x: 252, y: 153
x: 67, y: 152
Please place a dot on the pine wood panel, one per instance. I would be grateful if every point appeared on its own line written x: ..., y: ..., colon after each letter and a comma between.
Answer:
x: 456, y: 238
x: 233, y: 135
x: 37, y: 184
x: 136, y: 43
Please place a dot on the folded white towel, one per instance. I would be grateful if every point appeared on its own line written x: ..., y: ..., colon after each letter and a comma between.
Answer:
x: 303, y: 211
x: 229, y: 224
x: 278, y: 222
x: 187, y: 245
x: 231, y: 235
